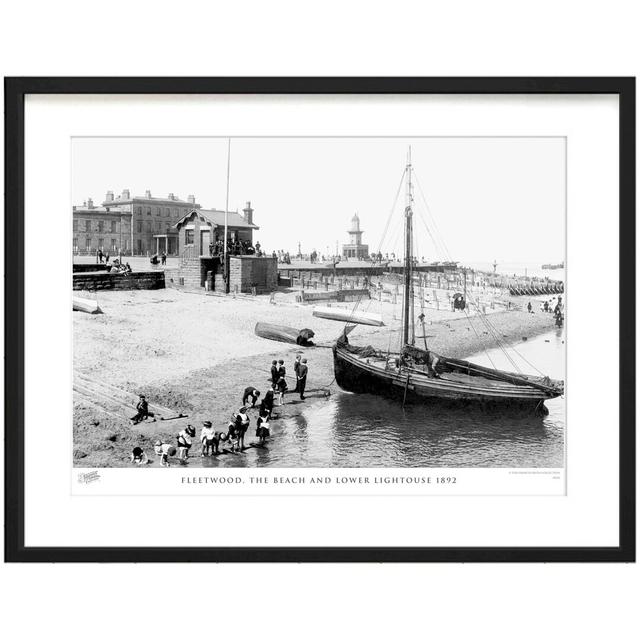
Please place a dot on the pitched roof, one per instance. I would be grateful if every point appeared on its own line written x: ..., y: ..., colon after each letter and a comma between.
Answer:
x: 216, y: 218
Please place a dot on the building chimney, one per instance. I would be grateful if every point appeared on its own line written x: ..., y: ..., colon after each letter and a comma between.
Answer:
x: 171, y: 196
x: 89, y: 203
x: 126, y: 194
x: 248, y: 213
x: 109, y: 197
x: 147, y: 194
x: 191, y: 199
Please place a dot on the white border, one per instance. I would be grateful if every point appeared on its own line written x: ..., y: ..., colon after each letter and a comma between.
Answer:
x: 587, y: 516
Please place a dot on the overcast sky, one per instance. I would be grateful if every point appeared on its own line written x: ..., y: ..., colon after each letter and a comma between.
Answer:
x: 491, y: 198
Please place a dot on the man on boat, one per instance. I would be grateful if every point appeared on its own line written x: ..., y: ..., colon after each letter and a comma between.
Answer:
x: 414, y: 356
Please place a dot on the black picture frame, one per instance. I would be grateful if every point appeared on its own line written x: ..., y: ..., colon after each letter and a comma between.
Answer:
x: 15, y: 91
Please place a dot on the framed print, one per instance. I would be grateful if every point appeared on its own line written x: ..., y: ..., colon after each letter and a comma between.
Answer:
x: 320, y: 319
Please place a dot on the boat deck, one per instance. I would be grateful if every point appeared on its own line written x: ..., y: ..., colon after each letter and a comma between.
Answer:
x: 448, y: 385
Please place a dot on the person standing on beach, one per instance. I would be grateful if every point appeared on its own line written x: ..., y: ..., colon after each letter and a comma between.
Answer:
x: 282, y: 371
x: 296, y: 366
x: 208, y: 439
x: 262, y: 429
x: 274, y: 373
x: 266, y: 406
x: 301, y: 375
x: 281, y: 386
x: 185, y: 442
x: 241, y: 424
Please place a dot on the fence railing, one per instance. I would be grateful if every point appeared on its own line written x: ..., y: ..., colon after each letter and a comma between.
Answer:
x: 188, y: 254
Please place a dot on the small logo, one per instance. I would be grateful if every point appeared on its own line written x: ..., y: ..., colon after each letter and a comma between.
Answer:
x: 90, y: 476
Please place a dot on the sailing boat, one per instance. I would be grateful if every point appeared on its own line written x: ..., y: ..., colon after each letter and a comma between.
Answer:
x: 421, y: 374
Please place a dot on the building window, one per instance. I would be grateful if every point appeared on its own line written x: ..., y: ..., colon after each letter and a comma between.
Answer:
x: 75, y: 225
x: 100, y: 243
x: 139, y: 245
x: 114, y: 245
x: 100, y: 226
x: 148, y: 211
x: 87, y: 244
x: 113, y: 226
x: 188, y: 236
x: 148, y: 226
x: 158, y: 223
x: 138, y: 209
x: 75, y: 245
x: 139, y: 226
x: 176, y: 213
x: 87, y: 226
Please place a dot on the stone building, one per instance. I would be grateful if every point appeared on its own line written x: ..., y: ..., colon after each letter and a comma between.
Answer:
x: 355, y: 250
x: 199, y: 228
x: 143, y: 224
x: 105, y: 228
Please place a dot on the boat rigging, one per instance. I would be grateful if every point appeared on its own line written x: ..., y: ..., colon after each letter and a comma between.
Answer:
x: 420, y: 373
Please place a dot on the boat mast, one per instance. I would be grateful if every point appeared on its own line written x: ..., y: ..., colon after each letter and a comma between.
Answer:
x: 408, y: 328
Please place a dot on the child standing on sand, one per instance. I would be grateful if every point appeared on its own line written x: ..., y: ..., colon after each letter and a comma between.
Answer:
x: 242, y: 424
x: 185, y: 442
x: 281, y: 386
x: 208, y: 439
x: 262, y: 429
x: 274, y: 373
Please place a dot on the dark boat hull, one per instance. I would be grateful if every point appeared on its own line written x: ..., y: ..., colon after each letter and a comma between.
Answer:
x: 410, y: 386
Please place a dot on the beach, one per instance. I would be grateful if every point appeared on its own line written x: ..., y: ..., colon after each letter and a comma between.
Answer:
x: 195, y: 354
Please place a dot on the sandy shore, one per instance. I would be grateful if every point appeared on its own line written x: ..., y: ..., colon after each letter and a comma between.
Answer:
x: 197, y: 353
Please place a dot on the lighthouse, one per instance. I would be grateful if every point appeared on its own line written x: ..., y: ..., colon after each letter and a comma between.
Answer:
x: 355, y: 250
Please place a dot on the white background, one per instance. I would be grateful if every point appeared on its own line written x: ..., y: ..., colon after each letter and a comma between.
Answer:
x: 462, y: 38
x: 587, y: 516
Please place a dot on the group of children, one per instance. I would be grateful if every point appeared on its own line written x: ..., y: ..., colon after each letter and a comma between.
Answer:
x: 210, y: 438
x: 279, y: 374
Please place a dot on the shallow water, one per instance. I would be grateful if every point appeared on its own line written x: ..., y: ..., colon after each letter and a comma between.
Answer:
x: 351, y: 430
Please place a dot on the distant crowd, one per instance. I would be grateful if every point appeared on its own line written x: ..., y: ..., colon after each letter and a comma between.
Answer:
x: 553, y: 305
x: 117, y: 266
x: 232, y: 440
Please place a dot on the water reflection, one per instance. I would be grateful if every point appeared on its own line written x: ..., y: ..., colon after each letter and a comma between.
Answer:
x: 352, y: 430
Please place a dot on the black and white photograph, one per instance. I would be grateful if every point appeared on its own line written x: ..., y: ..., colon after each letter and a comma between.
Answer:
x: 345, y: 315
x: 319, y: 302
